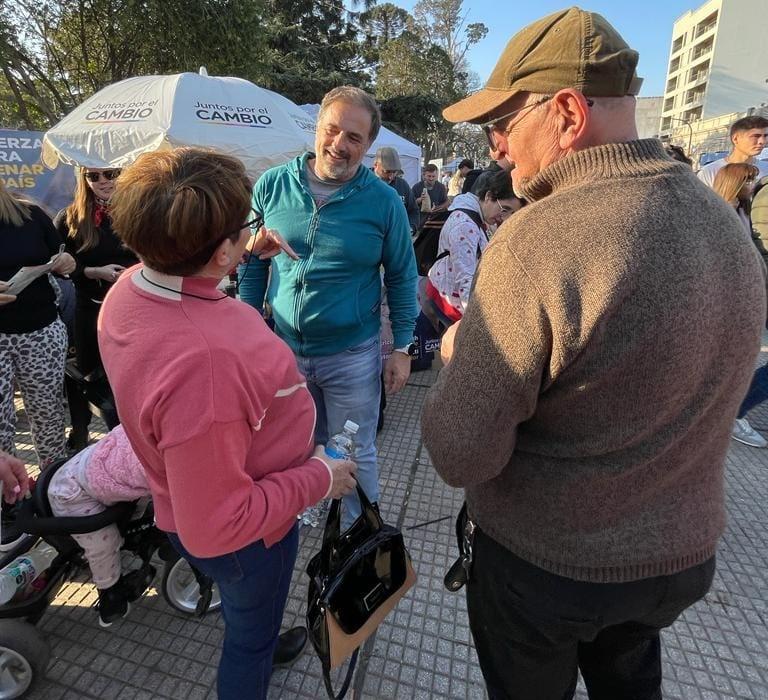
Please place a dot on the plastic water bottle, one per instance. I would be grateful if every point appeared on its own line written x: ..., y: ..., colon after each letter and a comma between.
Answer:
x: 23, y: 570
x: 340, y: 446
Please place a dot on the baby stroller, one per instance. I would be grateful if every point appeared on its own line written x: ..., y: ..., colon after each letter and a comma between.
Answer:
x: 24, y: 653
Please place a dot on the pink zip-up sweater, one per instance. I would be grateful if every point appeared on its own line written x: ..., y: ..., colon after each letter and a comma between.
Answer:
x: 215, y: 408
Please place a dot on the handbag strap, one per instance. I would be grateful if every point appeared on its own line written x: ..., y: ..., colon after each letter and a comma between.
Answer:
x: 347, y: 678
x: 332, y: 530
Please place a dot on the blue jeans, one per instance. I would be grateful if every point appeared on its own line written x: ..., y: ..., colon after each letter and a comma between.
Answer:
x: 758, y: 391
x: 346, y: 386
x: 253, y: 583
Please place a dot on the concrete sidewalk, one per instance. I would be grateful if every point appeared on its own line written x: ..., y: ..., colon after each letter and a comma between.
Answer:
x: 718, y: 649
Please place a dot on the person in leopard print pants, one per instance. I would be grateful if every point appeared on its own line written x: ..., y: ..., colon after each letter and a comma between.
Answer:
x: 33, y: 340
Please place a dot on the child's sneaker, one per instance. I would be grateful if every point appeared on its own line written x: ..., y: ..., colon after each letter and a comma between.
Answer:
x: 112, y: 605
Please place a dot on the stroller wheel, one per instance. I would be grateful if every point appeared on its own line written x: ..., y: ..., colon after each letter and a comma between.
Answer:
x: 24, y: 656
x: 181, y: 589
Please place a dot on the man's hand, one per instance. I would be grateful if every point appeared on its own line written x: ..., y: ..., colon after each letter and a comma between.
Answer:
x: 267, y: 243
x: 397, y: 369
x: 14, y: 476
x: 446, y: 343
x: 5, y: 298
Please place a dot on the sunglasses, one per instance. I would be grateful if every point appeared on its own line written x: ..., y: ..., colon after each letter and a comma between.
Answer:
x: 489, y: 127
x: 92, y: 176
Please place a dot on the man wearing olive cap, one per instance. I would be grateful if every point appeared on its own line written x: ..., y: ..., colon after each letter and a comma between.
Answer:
x: 618, y: 318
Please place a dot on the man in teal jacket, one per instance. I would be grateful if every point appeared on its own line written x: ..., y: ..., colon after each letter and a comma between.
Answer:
x: 345, y: 224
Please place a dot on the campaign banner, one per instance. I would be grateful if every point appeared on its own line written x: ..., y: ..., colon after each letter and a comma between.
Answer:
x: 22, y: 171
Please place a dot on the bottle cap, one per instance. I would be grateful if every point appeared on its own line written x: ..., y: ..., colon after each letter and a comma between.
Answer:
x: 351, y: 426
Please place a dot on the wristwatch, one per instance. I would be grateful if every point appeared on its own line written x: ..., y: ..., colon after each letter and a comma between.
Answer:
x: 409, y: 349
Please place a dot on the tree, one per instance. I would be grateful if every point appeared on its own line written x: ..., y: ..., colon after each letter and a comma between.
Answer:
x: 415, y: 79
x: 385, y: 22
x: 469, y: 141
x: 444, y: 22
x: 311, y: 47
x: 56, y: 53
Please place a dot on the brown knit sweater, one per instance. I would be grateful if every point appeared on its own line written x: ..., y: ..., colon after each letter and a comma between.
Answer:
x: 609, y: 341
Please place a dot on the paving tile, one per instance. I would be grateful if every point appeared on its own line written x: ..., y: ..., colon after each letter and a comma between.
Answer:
x: 718, y: 648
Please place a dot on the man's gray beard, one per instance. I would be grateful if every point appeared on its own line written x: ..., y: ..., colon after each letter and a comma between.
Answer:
x: 336, y: 172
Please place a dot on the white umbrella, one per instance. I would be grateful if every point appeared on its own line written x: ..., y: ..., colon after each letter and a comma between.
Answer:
x: 149, y: 113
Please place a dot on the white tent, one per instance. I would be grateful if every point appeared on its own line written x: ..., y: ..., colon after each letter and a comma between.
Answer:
x: 410, y: 153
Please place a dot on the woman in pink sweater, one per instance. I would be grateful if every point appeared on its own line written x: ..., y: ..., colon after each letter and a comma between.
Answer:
x: 211, y: 400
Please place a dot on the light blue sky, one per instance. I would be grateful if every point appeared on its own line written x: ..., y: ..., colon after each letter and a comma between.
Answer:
x: 646, y: 26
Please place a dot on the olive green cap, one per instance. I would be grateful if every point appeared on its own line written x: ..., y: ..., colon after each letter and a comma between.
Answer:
x: 568, y: 49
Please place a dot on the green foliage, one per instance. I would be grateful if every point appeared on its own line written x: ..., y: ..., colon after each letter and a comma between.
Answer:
x: 445, y: 23
x: 56, y: 53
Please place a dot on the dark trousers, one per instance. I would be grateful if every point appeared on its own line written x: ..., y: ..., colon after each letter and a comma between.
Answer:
x: 253, y: 583
x: 534, y: 630
x: 88, y: 359
x: 758, y: 391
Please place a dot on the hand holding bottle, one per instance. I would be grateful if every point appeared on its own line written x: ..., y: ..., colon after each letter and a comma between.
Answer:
x: 342, y: 473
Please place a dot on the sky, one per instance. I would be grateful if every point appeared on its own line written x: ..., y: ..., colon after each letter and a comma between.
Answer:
x: 646, y: 26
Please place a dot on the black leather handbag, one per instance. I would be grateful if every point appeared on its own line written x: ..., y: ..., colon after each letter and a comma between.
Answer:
x: 355, y: 580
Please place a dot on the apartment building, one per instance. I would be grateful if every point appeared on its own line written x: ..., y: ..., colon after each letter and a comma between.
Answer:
x: 718, y: 62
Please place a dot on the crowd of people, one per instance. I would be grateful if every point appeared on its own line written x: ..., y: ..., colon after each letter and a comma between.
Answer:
x: 568, y: 281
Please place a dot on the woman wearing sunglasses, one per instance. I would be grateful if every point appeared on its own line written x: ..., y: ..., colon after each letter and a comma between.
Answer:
x: 462, y: 241
x: 86, y: 227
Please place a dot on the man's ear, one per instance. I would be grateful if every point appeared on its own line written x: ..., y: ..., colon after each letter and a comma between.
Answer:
x: 572, y: 117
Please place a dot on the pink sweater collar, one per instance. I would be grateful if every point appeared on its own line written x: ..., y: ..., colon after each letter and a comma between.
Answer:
x: 169, y: 286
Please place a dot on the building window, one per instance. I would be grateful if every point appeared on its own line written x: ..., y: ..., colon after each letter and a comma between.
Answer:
x: 699, y: 72
x: 705, y: 25
x: 671, y: 85
x: 704, y: 48
x: 692, y: 115
x: 678, y: 43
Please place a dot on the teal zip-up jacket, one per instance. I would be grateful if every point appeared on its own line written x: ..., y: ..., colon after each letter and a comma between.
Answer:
x: 329, y: 300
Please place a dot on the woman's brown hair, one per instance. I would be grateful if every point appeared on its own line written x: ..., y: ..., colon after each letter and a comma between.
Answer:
x: 173, y: 208
x: 79, y: 215
x: 731, y: 178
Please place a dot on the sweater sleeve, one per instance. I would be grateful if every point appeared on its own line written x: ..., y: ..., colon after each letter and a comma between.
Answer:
x: 52, y: 239
x: 463, y: 242
x: 491, y: 385
x: 400, y: 277
x: 217, y: 506
x: 60, y: 223
x: 254, y: 274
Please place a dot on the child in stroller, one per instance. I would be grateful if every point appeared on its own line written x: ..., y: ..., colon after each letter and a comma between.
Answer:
x: 99, y: 476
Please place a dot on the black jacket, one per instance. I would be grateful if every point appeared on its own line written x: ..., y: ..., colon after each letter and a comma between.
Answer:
x: 108, y: 250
